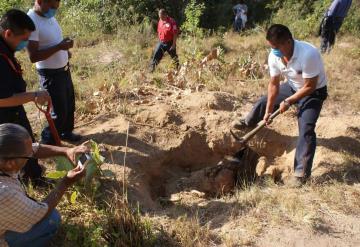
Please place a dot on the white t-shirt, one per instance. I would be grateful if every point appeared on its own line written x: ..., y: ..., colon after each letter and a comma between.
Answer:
x: 241, y: 9
x: 306, y: 62
x: 48, y: 33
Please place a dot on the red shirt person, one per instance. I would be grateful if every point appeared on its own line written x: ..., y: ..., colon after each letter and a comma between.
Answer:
x: 167, y: 32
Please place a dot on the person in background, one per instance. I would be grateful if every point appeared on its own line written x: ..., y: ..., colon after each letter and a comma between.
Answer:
x: 168, y: 32
x: 23, y: 220
x: 15, y: 29
x: 331, y: 23
x: 306, y: 86
x: 50, y: 52
x: 240, y: 11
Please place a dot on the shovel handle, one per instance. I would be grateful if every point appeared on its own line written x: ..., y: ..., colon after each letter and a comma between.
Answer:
x: 260, y: 125
x: 50, y: 121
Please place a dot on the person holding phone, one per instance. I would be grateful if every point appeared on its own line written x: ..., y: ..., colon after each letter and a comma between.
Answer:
x: 50, y: 51
x: 23, y: 220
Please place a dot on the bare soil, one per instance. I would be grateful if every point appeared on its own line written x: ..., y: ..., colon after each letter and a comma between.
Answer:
x: 175, y: 135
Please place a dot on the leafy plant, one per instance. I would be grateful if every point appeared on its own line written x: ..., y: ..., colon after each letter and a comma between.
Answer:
x: 94, y: 172
x: 193, y: 13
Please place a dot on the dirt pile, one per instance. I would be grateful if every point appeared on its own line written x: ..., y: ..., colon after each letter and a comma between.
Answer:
x: 177, y: 138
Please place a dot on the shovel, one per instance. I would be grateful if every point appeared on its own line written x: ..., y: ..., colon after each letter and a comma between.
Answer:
x: 244, y: 139
x: 50, y: 121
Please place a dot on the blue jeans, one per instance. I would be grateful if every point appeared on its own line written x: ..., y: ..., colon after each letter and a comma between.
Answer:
x: 39, y: 235
x: 160, y: 49
x: 237, y: 24
x: 309, y: 109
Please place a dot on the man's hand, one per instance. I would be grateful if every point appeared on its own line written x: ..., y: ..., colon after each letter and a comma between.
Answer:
x: 284, y: 106
x: 267, y: 118
x: 66, y: 44
x: 75, y: 175
x: 42, y: 97
x: 71, y: 153
x: 173, y: 47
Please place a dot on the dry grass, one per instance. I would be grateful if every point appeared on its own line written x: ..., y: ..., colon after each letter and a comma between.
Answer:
x: 235, y: 220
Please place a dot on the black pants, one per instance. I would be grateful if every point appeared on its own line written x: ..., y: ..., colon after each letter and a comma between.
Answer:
x: 309, y: 109
x: 160, y: 49
x: 61, y: 89
x: 328, y: 29
x: 32, y: 169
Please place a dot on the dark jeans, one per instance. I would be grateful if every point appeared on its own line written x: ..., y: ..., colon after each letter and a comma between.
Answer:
x: 39, y: 235
x: 329, y: 28
x: 309, y: 109
x: 32, y: 169
x: 61, y: 89
x: 237, y: 24
x: 160, y: 49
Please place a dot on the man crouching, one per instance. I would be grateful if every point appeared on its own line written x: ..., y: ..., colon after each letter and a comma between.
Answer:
x: 23, y: 220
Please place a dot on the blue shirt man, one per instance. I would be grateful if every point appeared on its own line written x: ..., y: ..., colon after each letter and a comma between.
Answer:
x: 339, y: 8
x: 332, y: 22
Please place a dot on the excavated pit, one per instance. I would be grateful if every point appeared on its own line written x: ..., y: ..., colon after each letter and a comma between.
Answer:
x: 175, y: 145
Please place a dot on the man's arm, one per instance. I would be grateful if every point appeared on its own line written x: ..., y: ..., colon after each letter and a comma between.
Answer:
x: 308, y: 88
x: 273, y: 91
x: 174, y: 42
x: 40, y: 97
x: 37, y: 55
x: 54, y: 197
x: 47, y: 151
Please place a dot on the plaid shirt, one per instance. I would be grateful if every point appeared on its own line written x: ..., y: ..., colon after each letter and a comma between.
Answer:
x: 18, y: 212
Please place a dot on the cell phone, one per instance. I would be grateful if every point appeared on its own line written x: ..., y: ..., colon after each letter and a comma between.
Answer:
x: 84, y: 160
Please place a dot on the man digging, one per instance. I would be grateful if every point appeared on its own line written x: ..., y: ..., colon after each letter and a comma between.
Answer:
x: 306, y: 86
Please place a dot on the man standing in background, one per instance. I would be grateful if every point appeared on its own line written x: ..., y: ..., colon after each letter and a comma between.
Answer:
x: 168, y: 32
x: 50, y: 52
x: 332, y: 22
x: 240, y: 11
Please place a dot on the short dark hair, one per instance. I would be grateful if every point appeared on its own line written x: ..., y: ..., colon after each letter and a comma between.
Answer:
x: 17, y: 21
x: 278, y: 33
x: 163, y: 11
x: 12, y: 140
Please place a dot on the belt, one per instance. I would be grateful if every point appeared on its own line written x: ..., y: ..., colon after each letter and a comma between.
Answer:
x: 54, y: 71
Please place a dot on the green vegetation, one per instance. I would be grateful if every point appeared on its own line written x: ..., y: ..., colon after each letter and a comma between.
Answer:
x: 88, y: 18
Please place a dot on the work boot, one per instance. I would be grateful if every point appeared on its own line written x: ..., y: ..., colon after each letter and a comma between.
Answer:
x: 70, y: 137
x: 295, y: 182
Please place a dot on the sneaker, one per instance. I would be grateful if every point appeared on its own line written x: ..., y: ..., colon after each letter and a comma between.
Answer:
x: 295, y: 182
x: 70, y: 137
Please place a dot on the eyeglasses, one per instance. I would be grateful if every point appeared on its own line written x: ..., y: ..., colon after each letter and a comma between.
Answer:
x: 18, y: 157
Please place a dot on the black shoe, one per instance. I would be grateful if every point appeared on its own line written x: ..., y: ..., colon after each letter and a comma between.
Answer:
x: 47, y: 141
x: 239, y: 124
x: 70, y: 137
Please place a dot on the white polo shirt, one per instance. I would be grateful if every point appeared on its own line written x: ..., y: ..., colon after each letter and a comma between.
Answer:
x: 48, y: 33
x: 306, y: 62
